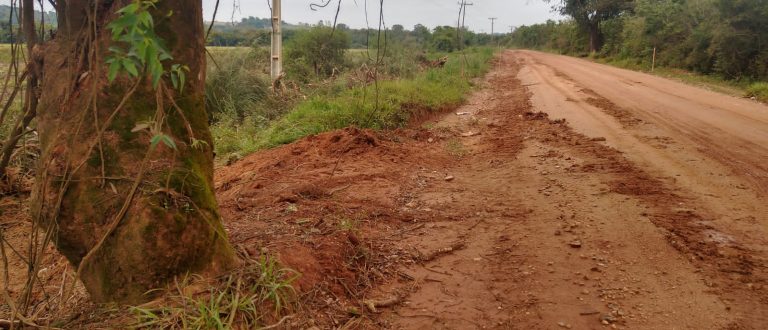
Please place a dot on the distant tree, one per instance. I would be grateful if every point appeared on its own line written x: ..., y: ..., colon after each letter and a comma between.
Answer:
x: 422, y: 34
x: 740, y: 44
x: 588, y: 14
x: 320, y: 49
x: 444, y: 39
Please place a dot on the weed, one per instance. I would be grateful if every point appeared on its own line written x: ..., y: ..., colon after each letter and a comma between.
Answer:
x: 346, y: 224
x: 455, y: 148
x: 241, y: 300
x: 759, y: 91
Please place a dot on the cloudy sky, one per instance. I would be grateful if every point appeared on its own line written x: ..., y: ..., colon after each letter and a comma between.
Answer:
x: 405, y: 12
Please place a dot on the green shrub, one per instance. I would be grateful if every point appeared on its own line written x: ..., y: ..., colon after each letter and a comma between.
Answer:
x: 759, y: 91
x: 236, y: 85
x: 320, y: 50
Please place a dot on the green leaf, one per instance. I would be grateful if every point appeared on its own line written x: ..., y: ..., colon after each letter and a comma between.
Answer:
x: 145, y: 51
x: 155, y: 140
x: 169, y: 142
x: 182, y: 81
x: 175, y: 80
x: 165, y: 139
x: 130, y: 67
x: 129, y: 9
x: 114, y: 69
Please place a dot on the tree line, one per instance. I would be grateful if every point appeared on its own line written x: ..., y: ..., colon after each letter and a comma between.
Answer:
x: 254, y: 31
x: 724, y: 37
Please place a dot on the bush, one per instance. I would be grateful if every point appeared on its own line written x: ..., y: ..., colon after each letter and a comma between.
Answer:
x: 236, y: 85
x: 758, y: 91
x: 320, y: 50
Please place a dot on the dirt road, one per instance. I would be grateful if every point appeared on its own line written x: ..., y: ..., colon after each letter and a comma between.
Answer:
x: 564, y: 194
x: 663, y: 227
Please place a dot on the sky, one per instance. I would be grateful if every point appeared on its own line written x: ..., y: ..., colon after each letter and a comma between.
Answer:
x: 408, y: 13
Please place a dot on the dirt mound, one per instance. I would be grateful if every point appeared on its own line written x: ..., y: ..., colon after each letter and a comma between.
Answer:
x: 325, y: 206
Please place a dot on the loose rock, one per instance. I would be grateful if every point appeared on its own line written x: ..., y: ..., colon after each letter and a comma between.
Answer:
x: 575, y: 244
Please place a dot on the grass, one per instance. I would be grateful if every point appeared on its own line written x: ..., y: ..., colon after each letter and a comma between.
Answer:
x: 711, y: 82
x: 15, y: 110
x: 388, y: 105
x: 759, y: 91
x: 244, y: 300
x: 455, y: 148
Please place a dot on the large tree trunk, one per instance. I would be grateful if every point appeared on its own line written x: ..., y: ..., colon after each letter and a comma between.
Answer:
x: 595, y: 37
x: 126, y: 236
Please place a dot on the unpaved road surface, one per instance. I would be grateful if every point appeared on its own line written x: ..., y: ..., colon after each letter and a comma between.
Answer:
x: 563, y: 194
x: 645, y: 208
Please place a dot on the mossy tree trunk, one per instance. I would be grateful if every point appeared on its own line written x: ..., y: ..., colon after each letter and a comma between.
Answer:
x: 170, y: 225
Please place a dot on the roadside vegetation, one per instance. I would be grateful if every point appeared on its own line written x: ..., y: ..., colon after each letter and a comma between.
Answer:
x: 332, y: 81
x: 329, y: 86
x: 721, y: 44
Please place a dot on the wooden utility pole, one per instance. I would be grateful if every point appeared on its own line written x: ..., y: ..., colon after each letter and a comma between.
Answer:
x: 493, y: 20
x: 277, y: 43
x: 460, y: 25
x: 460, y: 30
x: 465, y: 13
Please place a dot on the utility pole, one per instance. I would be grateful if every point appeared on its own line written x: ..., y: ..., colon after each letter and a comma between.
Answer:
x: 463, y: 11
x: 493, y: 19
x: 277, y: 43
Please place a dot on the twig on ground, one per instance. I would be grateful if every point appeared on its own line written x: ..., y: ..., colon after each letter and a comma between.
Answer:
x: 371, y: 305
x: 279, y: 323
x: 439, y: 252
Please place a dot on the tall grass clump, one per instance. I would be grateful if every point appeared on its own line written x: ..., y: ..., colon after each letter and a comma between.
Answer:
x: 759, y: 91
x: 247, y: 299
x: 239, y: 99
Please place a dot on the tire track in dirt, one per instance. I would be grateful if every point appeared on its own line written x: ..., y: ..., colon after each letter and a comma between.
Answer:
x: 561, y: 231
